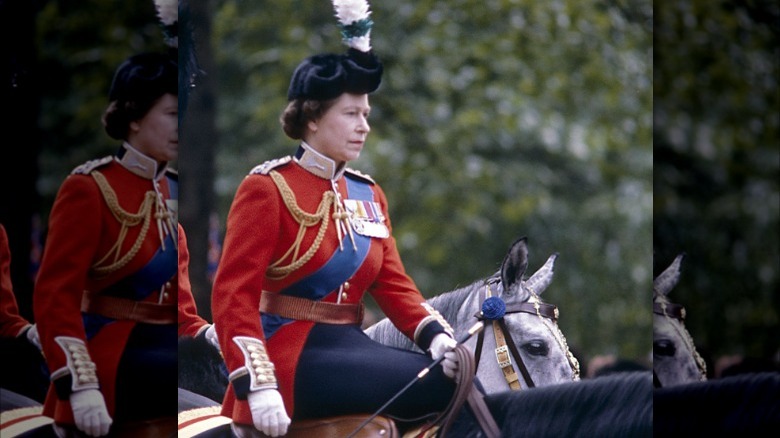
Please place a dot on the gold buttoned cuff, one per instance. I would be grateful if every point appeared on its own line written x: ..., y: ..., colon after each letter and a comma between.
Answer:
x: 82, y: 370
x: 257, y: 364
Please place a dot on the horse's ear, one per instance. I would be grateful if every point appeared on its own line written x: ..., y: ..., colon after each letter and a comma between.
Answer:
x: 543, y: 277
x: 514, y: 265
x: 667, y: 280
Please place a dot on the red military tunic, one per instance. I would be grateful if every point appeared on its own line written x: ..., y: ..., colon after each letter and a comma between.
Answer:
x: 190, y: 323
x: 89, y: 252
x: 261, y: 229
x: 11, y: 322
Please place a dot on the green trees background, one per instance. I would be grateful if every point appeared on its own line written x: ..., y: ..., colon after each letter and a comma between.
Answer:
x: 615, y: 133
x: 716, y: 175
x: 494, y: 120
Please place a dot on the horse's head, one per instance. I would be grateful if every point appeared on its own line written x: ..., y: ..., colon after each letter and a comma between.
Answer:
x: 675, y: 359
x: 531, y: 325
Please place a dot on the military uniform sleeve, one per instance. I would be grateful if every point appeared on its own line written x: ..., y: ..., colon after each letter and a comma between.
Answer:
x: 251, y: 236
x: 12, y: 324
x: 190, y: 323
x: 398, y: 296
x: 71, y: 246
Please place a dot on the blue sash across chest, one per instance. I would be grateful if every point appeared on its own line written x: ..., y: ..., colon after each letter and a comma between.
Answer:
x: 140, y: 284
x: 341, y: 266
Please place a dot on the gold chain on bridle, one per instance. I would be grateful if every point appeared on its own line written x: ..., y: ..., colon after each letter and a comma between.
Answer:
x: 686, y: 337
x: 558, y: 334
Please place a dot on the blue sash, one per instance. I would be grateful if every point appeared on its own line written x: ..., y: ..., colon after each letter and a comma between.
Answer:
x: 140, y: 284
x: 342, y: 265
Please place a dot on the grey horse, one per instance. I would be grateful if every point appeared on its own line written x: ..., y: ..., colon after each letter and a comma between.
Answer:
x: 537, y: 338
x: 675, y: 359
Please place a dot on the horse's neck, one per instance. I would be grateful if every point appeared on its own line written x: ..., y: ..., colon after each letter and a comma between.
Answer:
x: 458, y: 306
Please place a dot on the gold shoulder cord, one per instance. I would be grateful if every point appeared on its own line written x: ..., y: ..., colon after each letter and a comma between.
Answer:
x: 305, y: 220
x: 127, y: 220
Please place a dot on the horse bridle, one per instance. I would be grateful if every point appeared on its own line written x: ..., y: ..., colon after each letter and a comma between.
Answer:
x: 677, y: 311
x: 502, y: 334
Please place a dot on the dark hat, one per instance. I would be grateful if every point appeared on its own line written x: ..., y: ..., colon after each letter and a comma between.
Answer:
x: 327, y: 76
x: 145, y: 77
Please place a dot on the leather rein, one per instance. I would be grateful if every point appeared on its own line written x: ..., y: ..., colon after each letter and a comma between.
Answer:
x: 503, y: 348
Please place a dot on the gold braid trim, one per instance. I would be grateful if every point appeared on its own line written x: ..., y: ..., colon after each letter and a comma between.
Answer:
x: 305, y: 220
x: 127, y: 220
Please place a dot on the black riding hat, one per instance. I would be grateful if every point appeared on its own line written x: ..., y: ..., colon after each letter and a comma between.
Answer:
x: 144, y: 78
x: 327, y: 76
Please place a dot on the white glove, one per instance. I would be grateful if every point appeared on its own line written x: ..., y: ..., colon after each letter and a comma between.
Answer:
x: 268, y: 412
x: 89, y: 412
x: 32, y: 336
x: 443, y: 345
x: 211, y: 336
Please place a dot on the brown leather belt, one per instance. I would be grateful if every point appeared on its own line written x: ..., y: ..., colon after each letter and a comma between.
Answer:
x: 310, y: 310
x: 122, y: 308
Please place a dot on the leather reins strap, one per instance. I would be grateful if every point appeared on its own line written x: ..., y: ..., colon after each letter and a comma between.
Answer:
x: 500, y: 331
x: 504, y: 348
x: 546, y: 310
x: 467, y: 392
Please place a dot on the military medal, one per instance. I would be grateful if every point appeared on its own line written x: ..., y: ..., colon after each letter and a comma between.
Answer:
x: 366, y: 218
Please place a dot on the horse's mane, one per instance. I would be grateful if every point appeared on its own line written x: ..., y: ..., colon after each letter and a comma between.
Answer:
x: 618, y: 405
x: 198, y: 358
x: 449, y: 303
x: 740, y: 404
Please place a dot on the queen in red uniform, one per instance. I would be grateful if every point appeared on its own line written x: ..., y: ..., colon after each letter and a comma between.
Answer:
x: 106, y: 299
x: 306, y: 238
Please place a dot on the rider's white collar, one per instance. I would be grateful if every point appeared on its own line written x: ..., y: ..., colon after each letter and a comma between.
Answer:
x: 318, y: 164
x: 136, y: 162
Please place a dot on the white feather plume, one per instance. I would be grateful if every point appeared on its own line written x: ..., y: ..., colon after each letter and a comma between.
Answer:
x: 168, y: 13
x: 167, y: 10
x: 351, y: 13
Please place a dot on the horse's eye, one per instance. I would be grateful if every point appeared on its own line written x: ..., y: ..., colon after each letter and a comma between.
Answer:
x: 664, y: 347
x: 536, y: 348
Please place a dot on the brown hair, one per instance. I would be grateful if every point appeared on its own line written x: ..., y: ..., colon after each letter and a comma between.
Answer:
x: 300, y: 112
x: 119, y: 114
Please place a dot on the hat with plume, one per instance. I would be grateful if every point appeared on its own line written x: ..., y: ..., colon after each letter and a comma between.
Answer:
x: 358, y: 71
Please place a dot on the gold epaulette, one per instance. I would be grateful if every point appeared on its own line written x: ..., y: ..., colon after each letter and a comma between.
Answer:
x: 89, y: 166
x: 265, y: 168
x: 360, y: 175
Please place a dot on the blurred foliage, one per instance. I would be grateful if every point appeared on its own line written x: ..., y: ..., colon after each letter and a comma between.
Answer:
x: 494, y: 120
x: 717, y: 168
x: 505, y: 118
x: 80, y: 44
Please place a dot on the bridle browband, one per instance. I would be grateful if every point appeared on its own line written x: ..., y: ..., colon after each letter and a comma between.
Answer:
x: 675, y: 311
x: 502, y: 334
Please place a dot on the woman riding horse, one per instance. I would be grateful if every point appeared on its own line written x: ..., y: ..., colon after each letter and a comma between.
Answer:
x: 306, y: 238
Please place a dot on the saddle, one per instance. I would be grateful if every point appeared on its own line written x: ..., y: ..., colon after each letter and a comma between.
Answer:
x: 151, y: 428
x: 342, y: 426
x: 196, y: 421
x: 383, y: 427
